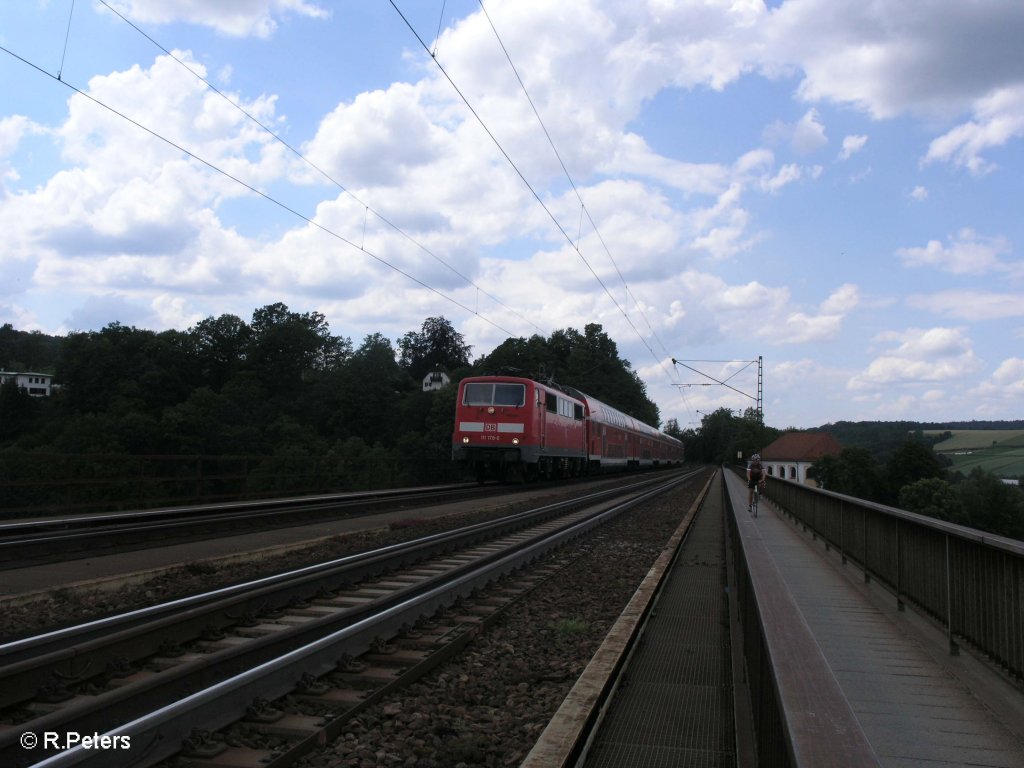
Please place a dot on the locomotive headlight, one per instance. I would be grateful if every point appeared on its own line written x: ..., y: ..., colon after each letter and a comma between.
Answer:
x: 465, y: 439
x: 491, y: 409
x: 515, y: 441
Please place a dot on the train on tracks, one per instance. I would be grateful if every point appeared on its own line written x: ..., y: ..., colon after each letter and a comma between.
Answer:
x: 516, y: 429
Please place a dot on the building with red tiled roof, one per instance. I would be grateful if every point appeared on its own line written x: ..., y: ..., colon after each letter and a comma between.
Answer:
x: 794, y: 453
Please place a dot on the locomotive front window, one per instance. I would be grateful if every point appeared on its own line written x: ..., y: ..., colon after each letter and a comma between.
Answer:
x: 494, y: 394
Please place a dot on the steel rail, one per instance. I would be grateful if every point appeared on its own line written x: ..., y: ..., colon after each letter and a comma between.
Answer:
x: 26, y: 663
x: 44, y: 539
x: 92, y: 713
x: 158, y: 734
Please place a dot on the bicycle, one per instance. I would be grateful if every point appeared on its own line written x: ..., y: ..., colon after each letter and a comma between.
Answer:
x: 757, y: 495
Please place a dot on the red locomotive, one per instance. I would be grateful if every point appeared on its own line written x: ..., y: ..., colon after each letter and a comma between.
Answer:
x: 516, y: 429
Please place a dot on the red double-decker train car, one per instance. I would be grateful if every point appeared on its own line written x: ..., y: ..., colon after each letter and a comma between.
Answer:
x: 513, y: 428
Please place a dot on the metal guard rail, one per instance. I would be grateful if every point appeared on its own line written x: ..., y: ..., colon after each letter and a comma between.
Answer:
x: 970, y: 581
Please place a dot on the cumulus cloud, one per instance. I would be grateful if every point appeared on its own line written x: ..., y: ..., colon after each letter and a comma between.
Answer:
x: 940, y: 60
x: 972, y: 306
x: 997, y: 118
x: 920, y: 356
x: 12, y: 129
x: 805, y: 136
x: 240, y: 18
x: 130, y: 210
x: 153, y: 234
x: 1004, y: 390
x: 967, y: 253
x: 851, y: 146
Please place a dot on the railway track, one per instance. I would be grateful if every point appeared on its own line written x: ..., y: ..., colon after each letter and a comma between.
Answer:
x: 58, y: 539
x: 151, y: 678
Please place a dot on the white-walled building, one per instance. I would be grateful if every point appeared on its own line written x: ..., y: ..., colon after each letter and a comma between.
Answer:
x: 435, y: 381
x: 794, y: 453
x: 36, y: 384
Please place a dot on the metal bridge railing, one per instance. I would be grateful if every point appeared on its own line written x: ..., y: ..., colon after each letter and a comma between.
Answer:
x: 970, y: 581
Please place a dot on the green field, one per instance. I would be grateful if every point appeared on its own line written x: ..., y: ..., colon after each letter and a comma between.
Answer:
x: 999, y: 451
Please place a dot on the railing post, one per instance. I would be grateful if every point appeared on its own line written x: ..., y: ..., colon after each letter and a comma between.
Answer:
x: 954, y: 649
x: 864, y: 552
x: 899, y: 571
x: 842, y: 531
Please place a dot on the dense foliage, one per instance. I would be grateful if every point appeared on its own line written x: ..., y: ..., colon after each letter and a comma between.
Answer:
x: 914, y: 478
x: 727, y: 438
x: 588, y: 361
x: 887, y: 462
x: 281, y: 404
x: 300, y: 408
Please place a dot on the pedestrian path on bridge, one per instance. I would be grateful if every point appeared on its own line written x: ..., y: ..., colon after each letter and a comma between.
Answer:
x: 857, y: 682
x: 916, y: 705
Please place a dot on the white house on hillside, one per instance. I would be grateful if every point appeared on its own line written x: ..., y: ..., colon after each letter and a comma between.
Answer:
x: 434, y: 381
x: 794, y: 453
x: 36, y: 384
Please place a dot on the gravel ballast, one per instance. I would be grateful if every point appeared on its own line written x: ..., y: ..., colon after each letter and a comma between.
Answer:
x: 488, y: 706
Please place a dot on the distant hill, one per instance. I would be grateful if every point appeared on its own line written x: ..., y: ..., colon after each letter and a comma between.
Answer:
x: 996, y: 446
x: 999, y: 451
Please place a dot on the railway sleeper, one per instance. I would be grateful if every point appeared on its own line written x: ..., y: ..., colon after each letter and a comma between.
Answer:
x: 316, y: 717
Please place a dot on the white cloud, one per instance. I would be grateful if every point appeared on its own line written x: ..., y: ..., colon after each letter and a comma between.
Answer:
x: 1006, y: 383
x: 967, y: 253
x: 921, y: 356
x: 239, y: 18
x: 998, y: 118
x: 973, y: 306
x: 147, y: 232
x: 12, y: 129
x: 786, y: 175
x: 941, y: 60
x: 809, y: 133
x: 851, y: 146
x: 801, y: 328
x: 805, y: 136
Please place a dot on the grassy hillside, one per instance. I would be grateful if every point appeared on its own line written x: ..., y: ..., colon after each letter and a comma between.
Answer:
x: 1000, y: 452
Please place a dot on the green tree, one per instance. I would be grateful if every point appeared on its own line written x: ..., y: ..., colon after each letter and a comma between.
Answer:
x: 991, y: 505
x: 934, y: 497
x: 287, y: 347
x: 220, y: 344
x: 17, y: 410
x: 911, y: 462
x: 24, y: 351
x: 672, y: 429
x: 437, y: 346
x: 370, y: 393
x: 530, y: 358
x: 854, y: 472
x: 588, y: 361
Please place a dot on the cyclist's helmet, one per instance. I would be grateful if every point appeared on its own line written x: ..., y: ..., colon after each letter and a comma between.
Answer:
x: 756, y: 457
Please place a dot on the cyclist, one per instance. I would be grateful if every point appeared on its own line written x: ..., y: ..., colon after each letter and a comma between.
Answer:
x: 755, y: 475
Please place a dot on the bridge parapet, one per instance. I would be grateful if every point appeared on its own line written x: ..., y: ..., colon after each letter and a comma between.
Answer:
x: 969, y: 581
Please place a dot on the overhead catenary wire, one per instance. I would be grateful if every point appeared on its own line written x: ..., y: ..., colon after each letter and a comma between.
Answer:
x: 515, y: 167
x: 67, y: 37
x: 574, y: 245
x: 572, y: 184
x: 367, y: 208
x: 255, y: 190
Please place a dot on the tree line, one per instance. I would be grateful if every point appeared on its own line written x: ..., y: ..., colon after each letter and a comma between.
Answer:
x: 915, y: 478
x: 890, y: 463
x: 281, y: 386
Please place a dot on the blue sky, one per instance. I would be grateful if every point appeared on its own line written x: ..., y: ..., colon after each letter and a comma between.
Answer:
x: 831, y: 185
